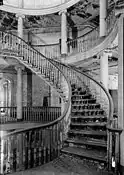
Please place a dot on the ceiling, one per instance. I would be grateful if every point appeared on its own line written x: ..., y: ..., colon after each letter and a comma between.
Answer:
x: 85, y: 12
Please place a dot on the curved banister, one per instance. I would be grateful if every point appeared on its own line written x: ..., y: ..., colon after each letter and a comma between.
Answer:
x: 24, y: 52
x: 55, y: 77
x: 84, y: 42
x: 73, y: 68
x: 77, y: 75
x: 49, y: 60
x: 110, y: 119
x: 45, y: 45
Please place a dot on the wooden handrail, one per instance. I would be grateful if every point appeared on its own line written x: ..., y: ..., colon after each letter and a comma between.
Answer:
x: 81, y: 43
x: 111, y: 129
x: 56, y: 125
x: 69, y: 95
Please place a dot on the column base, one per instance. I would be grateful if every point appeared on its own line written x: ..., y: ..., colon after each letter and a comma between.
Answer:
x: 121, y: 170
x: 19, y: 120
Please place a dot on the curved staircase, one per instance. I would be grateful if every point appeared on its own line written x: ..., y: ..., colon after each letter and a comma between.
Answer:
x: 87, y: 136
x: 86, y: 46
x: 85, y: 128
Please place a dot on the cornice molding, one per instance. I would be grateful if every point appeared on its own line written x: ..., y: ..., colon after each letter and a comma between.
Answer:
x: 42, y: 11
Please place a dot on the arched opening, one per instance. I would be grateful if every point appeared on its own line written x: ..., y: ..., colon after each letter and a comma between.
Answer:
x: 5, y: 95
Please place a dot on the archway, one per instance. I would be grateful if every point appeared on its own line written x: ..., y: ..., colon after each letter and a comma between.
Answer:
x: 5, y: 94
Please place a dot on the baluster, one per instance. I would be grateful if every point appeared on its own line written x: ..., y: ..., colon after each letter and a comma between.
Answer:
x: 10, y: 150
x: 23, y: 151
x: 19, y: 152
x: 110, y: 151
x: 15, y: 112
x: 42, y: 61
x: 27, y: 113
x: 14, y: 152
x: 23, y: 113
x: 9, y: 154
x: 2, y: 144
x: 40, y: 114
x: 35, y: 146
x: 36, y: 60
x: 37, y: 109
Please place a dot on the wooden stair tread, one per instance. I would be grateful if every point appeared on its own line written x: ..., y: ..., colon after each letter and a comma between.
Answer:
x: 85, y: 110
x: 80, y: 95
x: 94, y: 104
x: 86, y: 99
x: 91, y: 154
x: 88, y: 117
x: 92, y: 142
x: 86, y: 132
x: 89, y: 124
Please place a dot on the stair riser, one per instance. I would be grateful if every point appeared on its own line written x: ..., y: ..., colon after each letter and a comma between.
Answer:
x: 83, y: 102
x: 79, y: 107
x: 78, y: 97
x: 96, y: 128
x: 81, y: 120
x: 88, y: 113
x: 79, y: 93
x: 101, y: 147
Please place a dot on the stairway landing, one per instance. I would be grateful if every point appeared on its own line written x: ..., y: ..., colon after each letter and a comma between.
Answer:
x: 64, y: 165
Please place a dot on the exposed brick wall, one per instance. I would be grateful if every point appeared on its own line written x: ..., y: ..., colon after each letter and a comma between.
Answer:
x: 39, y: 90
x: 27, y: 88
x: 55, y: 99
x: 34, y: 88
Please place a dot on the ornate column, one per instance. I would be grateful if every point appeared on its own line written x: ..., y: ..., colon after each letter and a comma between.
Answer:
x: 104, y: 69
x: 19, y: 93
x: 120, y: 88
x: 20, y: 18
x: 63, y: 32
x: 103, y: 15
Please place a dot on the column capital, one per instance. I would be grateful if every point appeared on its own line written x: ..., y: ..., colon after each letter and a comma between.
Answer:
x: 18, y: 66
x: 106, y: 52
x: 20, y: 15
x: 63, y: 11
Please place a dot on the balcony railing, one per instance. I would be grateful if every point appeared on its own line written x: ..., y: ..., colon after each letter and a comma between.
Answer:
x: 80, y: 44
x: 32, y: 114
